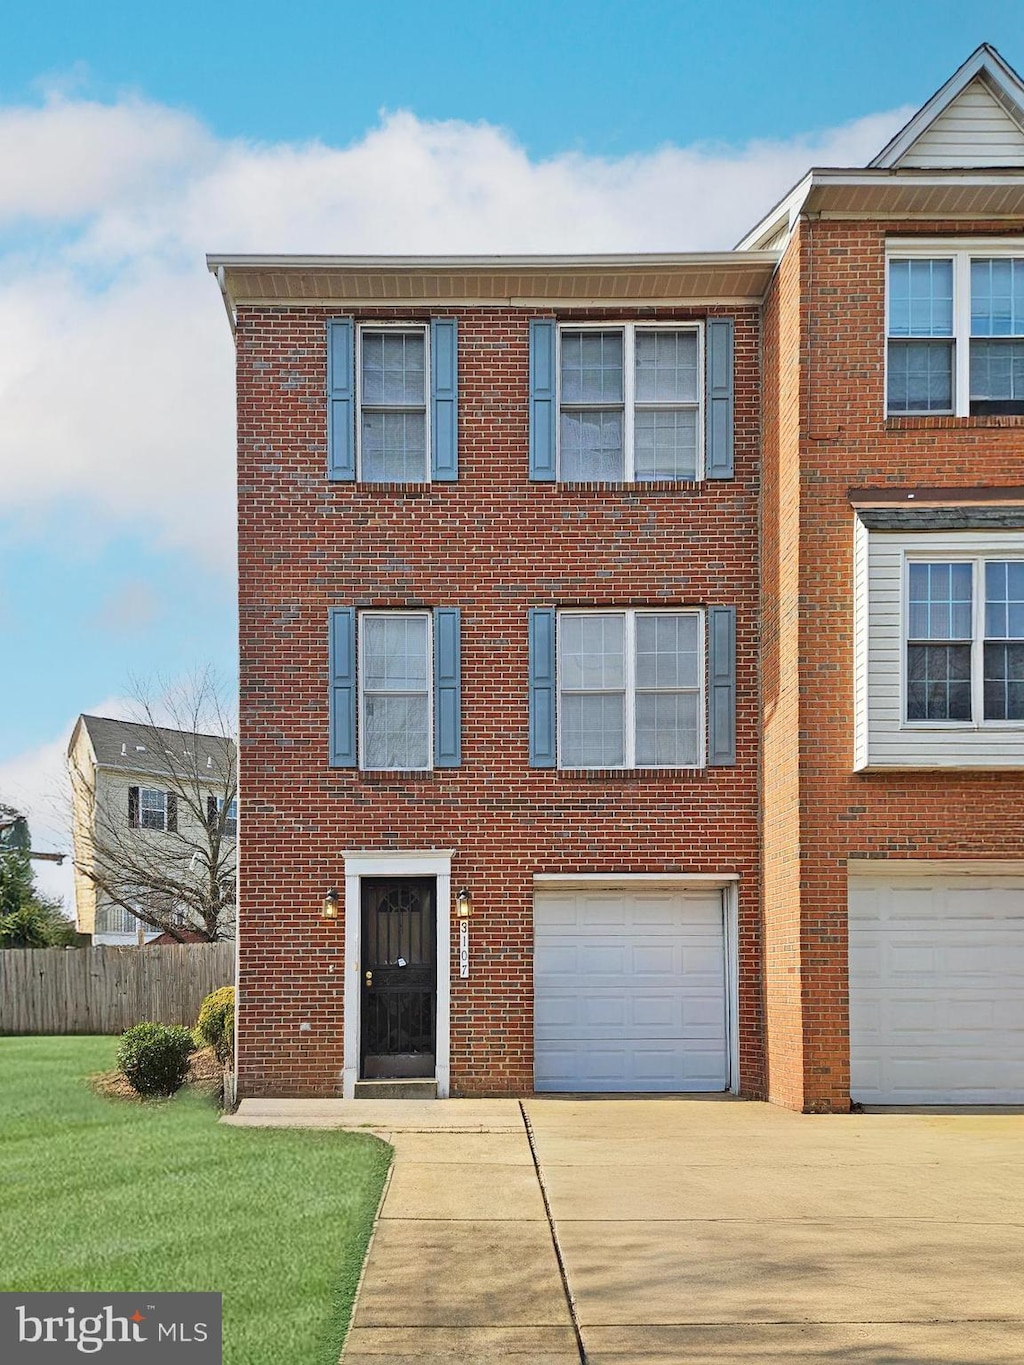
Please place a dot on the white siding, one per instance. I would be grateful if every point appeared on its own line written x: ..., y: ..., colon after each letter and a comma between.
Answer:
x: 975, y: 130
x: 936, y: 988
x: 860, y: 644
x: 890, y: 742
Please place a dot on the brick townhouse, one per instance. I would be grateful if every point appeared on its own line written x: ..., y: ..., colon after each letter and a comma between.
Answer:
x: 632, y: 651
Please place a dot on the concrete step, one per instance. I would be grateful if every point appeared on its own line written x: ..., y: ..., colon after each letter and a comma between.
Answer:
x: 397, y: 1089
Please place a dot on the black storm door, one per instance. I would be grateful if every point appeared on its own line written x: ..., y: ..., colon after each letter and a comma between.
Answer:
x: 399, y: 976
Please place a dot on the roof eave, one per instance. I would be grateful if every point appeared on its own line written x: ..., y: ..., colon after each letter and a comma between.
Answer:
x: 650, y: 279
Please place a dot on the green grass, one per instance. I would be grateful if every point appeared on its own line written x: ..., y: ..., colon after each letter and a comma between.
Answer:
x: 106, y: 1195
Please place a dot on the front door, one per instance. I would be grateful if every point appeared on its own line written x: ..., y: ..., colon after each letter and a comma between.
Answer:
x: 399, y: 970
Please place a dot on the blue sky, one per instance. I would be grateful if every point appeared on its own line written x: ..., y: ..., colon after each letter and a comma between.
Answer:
x: 603, y: 76
x: 133, y: 138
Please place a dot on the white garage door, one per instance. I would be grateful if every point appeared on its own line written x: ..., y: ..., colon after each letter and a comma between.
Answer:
x: 937, y: 990
x: 630, y: 990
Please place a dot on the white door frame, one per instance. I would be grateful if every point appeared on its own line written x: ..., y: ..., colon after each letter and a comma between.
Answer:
x: 435, y: 863
x: 727, y: 883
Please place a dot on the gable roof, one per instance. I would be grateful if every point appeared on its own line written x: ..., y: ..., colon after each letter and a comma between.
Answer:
x: 975, y: 119
x: 960, y: 156
x: 135, y: 748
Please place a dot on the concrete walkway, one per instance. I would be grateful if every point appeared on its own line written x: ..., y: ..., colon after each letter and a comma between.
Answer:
x: 691, y: 1231
x: 462, y: 1264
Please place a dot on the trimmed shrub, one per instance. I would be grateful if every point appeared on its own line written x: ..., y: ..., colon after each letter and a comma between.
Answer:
x: 215, y: 1026
x: 154, y: 1057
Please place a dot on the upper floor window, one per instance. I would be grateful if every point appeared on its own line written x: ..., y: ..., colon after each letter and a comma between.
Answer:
x: 630, y: 689
x: 392, y: 401
x: 393, y: 404
x: 955, y: 331
x: 231, y: 816
x: 965, y: 640
x: 629, y: 403
x: 394, y: 690
x: 152, y: 808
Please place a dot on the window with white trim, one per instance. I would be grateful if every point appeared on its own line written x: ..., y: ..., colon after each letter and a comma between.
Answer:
x: 231, y: 819
x: 955, y: 329
x: 152, y: 808
x: 630, y: 689
x: 395, y: 690
x: 115, y: 919
x: 964, y: 641
x: 630, y: 403
x: 393, y: 423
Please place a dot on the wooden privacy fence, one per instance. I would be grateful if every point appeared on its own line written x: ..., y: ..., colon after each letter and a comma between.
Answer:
x: 106, y: 990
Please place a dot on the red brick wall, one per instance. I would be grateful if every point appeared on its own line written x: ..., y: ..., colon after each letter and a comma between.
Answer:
x: 780, y: 631
x: 493, y: 544
x: 845, y: 441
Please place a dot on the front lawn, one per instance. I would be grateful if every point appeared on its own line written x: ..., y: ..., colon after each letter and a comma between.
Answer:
x: 106, y: 1195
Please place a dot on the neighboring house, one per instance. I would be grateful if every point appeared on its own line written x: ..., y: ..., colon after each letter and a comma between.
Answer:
x: 893, y: 626
x: 138, y: 794
x: 617, y: 631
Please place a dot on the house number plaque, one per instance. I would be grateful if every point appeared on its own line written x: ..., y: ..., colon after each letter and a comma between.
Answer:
x: 463, y: 948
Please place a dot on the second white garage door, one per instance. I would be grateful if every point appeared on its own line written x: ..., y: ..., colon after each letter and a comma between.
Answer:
x: 937, y: 989
x: 630, y: 990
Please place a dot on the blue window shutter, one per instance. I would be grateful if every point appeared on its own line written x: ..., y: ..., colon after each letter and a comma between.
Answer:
x: 343, y: 687
x: 444, y: 398
x: 447, y: 688
x: 541, y: 623
x: 718, y: 417
x: 341, y: 454
x: 721, y: 686
x: 542, y: 399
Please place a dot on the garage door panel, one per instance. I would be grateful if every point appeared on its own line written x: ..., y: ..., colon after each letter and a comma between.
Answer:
x: 621, y: 1067
x: 937, y: 990
x: 630, y: 991
x: 602, y: 959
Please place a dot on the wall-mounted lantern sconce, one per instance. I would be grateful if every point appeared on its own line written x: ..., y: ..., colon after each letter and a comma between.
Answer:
x: 329, y: 910
x: 464, y: 903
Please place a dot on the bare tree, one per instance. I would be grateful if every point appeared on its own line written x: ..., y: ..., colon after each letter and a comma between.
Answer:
x: 172, y: 864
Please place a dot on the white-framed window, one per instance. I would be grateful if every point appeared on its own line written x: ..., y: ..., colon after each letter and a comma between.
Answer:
x: 963, y: 641
x: 395, y: 653
x: 392, y: 384
x: 152, y: 808
x: 955, y: 328
x: 630, y: 689
x: 630, y: 399
x: 231, y: 819
x: 115, y: 919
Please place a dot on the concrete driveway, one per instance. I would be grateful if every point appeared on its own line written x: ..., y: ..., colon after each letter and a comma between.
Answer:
x: 682, y: 1231
x: 731, y: 1232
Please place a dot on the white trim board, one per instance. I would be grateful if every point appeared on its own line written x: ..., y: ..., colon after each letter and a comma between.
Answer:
x: 893, y: 868
x: 401, y: 863
x: 548, y: 879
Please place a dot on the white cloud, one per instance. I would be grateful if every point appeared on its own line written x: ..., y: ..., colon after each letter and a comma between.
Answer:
x: 116, y: 381
x: 74, y: 157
